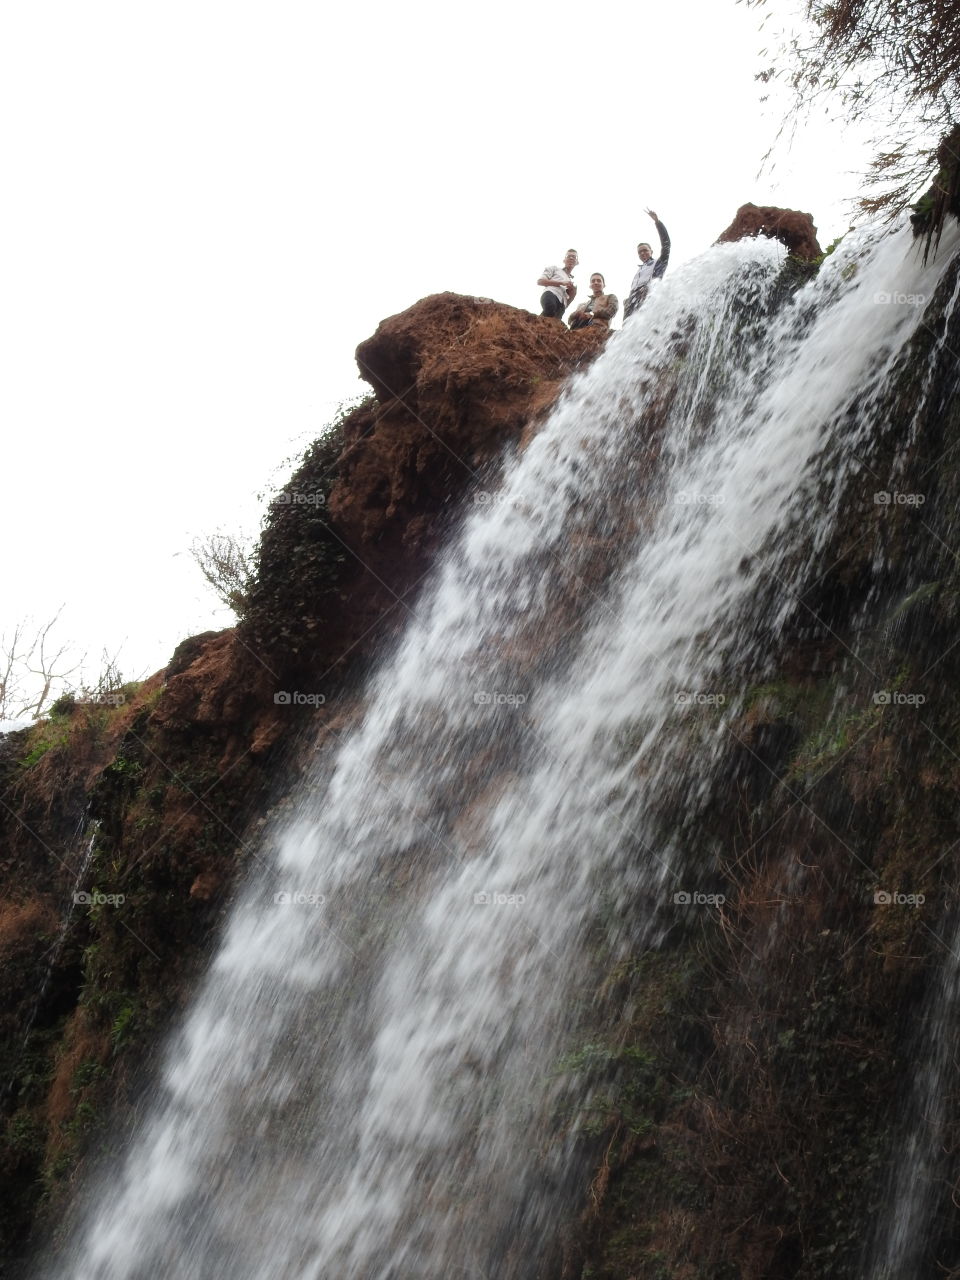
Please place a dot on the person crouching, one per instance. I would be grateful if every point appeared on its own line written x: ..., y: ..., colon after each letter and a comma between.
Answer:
x: 600, y: 307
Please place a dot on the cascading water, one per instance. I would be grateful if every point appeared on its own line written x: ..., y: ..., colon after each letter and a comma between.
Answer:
x: 901, y: 1236
x: 363, y: 1087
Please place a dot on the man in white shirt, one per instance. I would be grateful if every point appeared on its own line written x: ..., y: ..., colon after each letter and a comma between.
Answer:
x: 558, y: 286
x: 648, y: 269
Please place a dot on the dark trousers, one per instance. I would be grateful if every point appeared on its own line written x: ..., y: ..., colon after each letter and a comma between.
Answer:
x: 635, y: 300
x: 552, y: 306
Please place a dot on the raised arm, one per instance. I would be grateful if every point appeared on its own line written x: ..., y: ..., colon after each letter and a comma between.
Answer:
x: 664, y: 235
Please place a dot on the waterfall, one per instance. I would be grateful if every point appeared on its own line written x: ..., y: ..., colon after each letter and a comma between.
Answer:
x: 365, y: 1086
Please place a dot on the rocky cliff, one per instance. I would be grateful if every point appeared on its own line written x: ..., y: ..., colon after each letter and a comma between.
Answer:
x: 171, y: 779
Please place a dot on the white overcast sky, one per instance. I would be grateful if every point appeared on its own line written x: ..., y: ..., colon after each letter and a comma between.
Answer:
x: 208, y: 205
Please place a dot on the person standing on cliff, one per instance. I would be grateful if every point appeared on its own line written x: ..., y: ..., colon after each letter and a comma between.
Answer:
x: 648, y: 269
x: 558, y: 286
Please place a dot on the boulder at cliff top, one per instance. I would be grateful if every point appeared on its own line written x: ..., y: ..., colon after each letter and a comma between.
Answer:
x: 447, y: 342
x: 789, y: 226
x: 455, y: 378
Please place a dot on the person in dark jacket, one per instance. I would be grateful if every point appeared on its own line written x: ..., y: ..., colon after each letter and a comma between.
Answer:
x: 649, y: 269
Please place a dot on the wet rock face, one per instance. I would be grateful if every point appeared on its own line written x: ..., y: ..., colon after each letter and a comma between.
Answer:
x: 792, y: 228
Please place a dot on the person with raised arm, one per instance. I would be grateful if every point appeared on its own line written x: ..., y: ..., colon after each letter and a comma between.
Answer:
x: 649, y: 268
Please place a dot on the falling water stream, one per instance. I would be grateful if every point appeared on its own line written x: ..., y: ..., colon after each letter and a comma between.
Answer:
x: 363, y: 1087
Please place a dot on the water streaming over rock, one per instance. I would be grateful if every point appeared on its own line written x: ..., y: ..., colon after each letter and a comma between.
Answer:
x: 365, y: 1087
x: 919, y: 1176
x: 86, y: 838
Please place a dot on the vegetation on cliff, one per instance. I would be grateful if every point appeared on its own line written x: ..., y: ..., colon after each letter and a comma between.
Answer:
x: 892, y: 64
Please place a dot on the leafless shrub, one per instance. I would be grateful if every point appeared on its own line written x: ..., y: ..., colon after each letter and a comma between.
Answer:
x: 35, y: 668
x: 226, y: 565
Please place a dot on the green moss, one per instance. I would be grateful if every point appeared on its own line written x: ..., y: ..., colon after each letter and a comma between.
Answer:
x: 829, y: 741
x: 299, y: 561
x: 87, y: 1073
x: 46, y: 736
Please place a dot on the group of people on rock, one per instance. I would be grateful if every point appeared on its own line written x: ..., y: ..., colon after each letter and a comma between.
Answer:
x: 600, y: 308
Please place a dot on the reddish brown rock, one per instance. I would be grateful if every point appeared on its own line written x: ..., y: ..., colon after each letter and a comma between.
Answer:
x: 447, y: 343
x: 215, y: 683
x: 455, y: 379
x: 792, y: 228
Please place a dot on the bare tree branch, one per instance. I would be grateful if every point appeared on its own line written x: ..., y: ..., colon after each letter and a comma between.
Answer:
x: 892, y: 64
x: 33, y: 669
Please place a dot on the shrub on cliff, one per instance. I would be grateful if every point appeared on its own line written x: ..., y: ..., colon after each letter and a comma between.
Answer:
x: 225, y: 564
